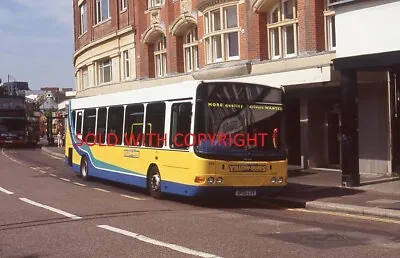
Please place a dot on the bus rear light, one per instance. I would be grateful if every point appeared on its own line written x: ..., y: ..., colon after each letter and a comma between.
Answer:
x: 198, y: 179
x: 279, y: 180
x: 210, y: 180
x: 219, y: 180
x: 273, y: 180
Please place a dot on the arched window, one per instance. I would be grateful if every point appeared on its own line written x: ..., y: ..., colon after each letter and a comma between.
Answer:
x: 283, y: 29
x: 191, y: 50
x: 160, y: 56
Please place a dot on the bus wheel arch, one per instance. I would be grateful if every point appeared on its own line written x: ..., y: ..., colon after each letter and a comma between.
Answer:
x: 154, y: 181
x: 84, y: 168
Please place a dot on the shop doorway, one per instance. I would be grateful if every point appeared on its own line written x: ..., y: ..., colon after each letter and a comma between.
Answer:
x: 293, y: 131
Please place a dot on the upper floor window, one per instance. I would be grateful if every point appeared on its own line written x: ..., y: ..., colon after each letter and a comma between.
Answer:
x: 160, y: 56
x: 105, y: 71
x: 154, y: 3
x: 126, y: 63
x: 221, y: 35
x: 283, y: 29
x: 124, y: 4
x: 330, y: 33
x: 85, y: 78
x: 83, y: 17
x: 102, y: 10
x: 191, y: 50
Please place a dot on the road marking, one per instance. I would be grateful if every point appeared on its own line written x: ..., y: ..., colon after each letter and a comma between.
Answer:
x: 79, y: 184
x: 53, y: 175
x: 54, y: 157
x: 5, y: 191
x: 133, y: 197
x: 65, y: 179
x: 384, y: 201
x: 102, y: 190
x: 363, y: 217
x: 66, y: 214
x: 34, y: 168
x: 41, y: 171
x: 156, y: 242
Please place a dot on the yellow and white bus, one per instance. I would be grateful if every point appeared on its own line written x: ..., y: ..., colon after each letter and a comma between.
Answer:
x: 218, y: 137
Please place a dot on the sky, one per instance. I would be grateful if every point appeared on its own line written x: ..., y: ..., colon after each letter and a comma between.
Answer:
x: 37, y: 42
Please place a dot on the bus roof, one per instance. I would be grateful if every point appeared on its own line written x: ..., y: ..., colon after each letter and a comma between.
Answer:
x: 181, y: 90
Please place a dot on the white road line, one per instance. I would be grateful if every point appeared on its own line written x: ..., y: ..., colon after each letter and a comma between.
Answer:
x: 159, y: 243
x: 132, y: 197
x: 54, y: 157
x: 66, y: 214
x: 79, y: 184
x: 41, y: 171
x: 53, y: 175
x: 65, y: 179
x: 102, y: 190
x: 5, y: 191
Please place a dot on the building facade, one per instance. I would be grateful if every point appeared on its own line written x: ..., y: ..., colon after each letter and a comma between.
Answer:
x: 126, y: 44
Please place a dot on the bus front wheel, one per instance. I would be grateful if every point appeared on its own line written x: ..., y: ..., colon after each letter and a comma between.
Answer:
x: 84, y: 169
x: 154, y: 182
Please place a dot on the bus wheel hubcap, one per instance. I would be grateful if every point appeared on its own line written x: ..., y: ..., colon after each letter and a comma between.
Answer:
x: 155, y: 182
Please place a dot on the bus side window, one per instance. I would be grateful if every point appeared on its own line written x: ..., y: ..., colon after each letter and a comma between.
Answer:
x: 73, y: 118
x: 78, y: 123
x: 89, y: 122
x: 101, y: 125
x: 155, y: 116
x: 181, y: 114
x: 134, y: 124
x: 115, y: 124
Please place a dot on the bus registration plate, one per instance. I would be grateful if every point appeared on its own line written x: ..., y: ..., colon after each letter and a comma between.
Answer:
x: 246, y: 193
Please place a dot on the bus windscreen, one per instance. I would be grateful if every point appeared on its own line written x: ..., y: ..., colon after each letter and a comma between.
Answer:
x: 238, y: 121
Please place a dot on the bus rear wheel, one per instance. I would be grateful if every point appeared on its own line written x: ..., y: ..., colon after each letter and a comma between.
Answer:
x: 154, y: 182
x: 84, y: 169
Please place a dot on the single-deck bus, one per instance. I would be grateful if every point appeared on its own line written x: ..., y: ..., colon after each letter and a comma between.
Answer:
x: 190, y: 138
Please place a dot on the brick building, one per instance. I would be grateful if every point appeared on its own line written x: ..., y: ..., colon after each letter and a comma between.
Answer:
x: 127, y: 44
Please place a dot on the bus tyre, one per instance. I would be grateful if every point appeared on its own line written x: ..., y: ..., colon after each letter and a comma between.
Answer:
x: 84, y: 169
x: 154, y: 182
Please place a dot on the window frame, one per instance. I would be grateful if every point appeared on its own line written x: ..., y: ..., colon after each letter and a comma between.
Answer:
x: 160, y: 57
x: 83, y: 18
x: 126, y: 61
x: 281, y: 26
x: 155, y: 3
x: 85, y: 77
x: 215, y: 38
x: 329, y: 14
x: 99, y: 11
x: 192, y: 45
x: 124, y: 5
x: 101, y: 68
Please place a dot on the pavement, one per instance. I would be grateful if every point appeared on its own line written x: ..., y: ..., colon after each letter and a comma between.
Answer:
x: 318, y: 189
x: 321, y: 190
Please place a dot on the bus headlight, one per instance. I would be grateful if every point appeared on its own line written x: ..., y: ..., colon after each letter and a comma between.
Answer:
x: 219, y: 180
x: 210, y: 180
x: 273, y: 180
x: 279, y: 180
